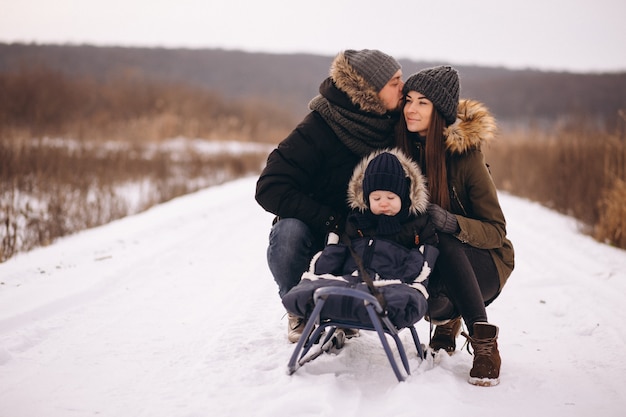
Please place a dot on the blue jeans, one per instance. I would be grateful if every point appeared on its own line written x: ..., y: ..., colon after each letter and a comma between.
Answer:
x: 291, y: 247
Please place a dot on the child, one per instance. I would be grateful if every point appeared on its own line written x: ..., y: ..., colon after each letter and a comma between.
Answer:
x: 392, y: 237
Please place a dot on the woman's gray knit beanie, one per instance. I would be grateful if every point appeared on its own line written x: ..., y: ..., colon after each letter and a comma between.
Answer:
x: 441, y: 86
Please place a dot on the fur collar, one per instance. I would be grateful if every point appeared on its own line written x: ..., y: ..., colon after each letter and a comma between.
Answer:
x: 418, y: 193
x: 473, y: 127
x: 361, y: 93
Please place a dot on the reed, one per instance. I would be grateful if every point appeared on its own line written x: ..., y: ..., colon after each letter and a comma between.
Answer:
x: 575, y: 168
x: 50, y: 189
x: 114, y: 156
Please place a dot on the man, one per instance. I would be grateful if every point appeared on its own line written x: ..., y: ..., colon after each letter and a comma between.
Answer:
x: 305, y: 180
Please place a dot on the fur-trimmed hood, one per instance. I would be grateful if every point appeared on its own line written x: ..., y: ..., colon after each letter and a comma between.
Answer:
x: 418, y: 192
x: 474, y: 126
x: 360, y: 92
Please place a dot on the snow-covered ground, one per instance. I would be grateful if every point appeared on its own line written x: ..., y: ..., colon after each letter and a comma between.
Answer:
x: 173, y: 312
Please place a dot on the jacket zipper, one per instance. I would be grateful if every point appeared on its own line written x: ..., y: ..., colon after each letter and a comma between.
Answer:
x: 456, y: 198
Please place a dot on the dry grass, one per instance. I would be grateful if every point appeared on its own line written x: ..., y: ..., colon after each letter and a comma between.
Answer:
x: 114, y: 135
x: 576, y: 170
x: 50, y: 189
x: 115, y: 157
x: 611, y: 226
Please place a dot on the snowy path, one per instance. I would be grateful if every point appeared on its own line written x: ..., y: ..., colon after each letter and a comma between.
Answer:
x: 173, y: 312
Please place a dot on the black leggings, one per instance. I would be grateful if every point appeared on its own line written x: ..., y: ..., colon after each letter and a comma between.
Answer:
x: 465, y: 280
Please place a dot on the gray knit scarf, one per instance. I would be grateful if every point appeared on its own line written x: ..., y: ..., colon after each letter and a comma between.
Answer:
x: 361, y: 132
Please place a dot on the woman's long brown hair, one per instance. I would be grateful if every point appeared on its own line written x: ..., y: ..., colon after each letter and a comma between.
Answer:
x: 434, y: 158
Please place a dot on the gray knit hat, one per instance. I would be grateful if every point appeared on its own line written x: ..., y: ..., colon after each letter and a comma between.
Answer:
x: 441, y: 86
x: 375, y: 66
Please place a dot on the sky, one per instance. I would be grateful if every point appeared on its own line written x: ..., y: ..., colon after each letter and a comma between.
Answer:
x: 173, y: 312
x: 569, y: 35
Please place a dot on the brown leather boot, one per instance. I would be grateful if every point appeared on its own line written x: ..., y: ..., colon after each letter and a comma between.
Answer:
x: 445, y: 336
x: 486, y: 369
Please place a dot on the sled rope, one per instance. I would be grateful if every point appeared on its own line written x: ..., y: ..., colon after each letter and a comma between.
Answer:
x: 366, y: 277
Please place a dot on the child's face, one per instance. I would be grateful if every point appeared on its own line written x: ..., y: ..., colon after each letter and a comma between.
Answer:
x: 385, y: 202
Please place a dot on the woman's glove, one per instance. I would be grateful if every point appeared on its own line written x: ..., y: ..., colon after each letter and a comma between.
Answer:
x: 443, y: 220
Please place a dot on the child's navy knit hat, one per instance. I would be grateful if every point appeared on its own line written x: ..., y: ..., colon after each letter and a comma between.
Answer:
x: 385, y: 172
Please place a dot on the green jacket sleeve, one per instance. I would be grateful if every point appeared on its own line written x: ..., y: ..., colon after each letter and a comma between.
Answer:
x: 480, y: 217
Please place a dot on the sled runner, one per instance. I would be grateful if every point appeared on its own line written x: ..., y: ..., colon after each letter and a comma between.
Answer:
x: 324, y: 332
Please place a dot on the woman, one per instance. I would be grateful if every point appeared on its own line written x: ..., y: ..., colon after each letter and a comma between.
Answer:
x: 445, y: 136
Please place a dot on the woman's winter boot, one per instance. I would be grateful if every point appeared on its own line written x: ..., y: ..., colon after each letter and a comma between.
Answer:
x: 486, y: 369
x: 445, y: 336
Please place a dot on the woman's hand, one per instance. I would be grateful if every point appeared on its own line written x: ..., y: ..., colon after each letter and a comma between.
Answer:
x: 443, y: 220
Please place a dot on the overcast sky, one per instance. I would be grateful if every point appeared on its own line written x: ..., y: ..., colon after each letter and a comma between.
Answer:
x: 571, y: 35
